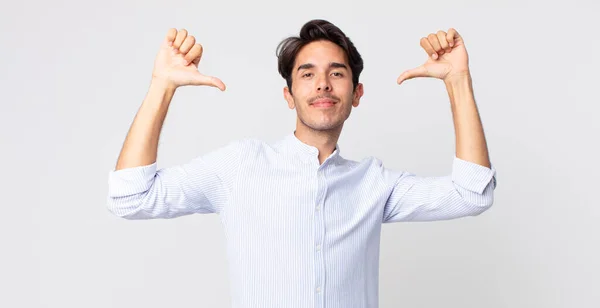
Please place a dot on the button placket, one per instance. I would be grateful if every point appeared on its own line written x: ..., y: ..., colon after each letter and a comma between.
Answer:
x: 319, y: 236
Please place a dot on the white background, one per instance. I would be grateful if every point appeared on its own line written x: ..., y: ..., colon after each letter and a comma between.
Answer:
x: 73, y: 74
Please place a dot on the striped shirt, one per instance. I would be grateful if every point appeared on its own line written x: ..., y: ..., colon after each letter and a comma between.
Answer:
x: 299, y: 233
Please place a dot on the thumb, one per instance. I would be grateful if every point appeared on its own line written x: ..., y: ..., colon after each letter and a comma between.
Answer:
x: 420, y: 71
x: 203, y: 80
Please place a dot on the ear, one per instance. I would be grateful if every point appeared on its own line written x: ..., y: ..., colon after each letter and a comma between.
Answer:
x: 358, y: 93
x: 289, y: 98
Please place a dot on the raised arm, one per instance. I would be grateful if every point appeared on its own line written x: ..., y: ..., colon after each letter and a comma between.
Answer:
x: 448, y: 60
x: 176, y: 65
x: 468, y: 190
x: 137, y: 188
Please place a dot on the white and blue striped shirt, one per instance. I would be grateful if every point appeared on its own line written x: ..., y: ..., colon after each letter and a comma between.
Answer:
x: 299, y: 233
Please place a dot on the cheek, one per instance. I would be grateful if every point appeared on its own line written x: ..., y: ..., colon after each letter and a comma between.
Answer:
x: 343, y: 88
x: 301, y: 96
x: 302, y: 89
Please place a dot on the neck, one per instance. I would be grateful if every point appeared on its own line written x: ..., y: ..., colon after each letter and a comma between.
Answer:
x: 324, y: 141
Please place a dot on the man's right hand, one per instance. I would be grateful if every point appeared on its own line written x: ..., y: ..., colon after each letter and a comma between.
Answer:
x: 177, y: 62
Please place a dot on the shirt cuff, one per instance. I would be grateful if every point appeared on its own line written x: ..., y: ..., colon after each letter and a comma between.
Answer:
x: 131, y: 181
x: 472, y: 176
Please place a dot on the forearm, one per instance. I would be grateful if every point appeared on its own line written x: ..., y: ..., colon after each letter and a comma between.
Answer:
x: 470, y: 138
x: 141, y: 143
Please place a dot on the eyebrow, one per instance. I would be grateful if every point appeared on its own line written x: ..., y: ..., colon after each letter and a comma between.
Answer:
x: 332, y: 65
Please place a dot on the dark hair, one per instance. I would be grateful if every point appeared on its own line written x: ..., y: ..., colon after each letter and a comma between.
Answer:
x: 316, y: 30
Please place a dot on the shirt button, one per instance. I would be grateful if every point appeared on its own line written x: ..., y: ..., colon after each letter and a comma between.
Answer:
x: 318, y: 290
x: 318, y: 207
x: 318, y: 247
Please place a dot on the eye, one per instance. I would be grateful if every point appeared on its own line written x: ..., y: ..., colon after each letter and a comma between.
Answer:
x: 337, y: 74
x: 306, y: 75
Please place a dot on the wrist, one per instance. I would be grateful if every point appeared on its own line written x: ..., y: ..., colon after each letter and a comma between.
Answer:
x: 159, y: 93
x: 460, y: 90
x: 456, y: 79
x: 161, y: 84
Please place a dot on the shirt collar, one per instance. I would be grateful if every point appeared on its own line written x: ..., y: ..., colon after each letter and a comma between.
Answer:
x: 306, y: 152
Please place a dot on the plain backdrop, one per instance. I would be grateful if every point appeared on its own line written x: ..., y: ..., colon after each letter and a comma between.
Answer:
x: 73, y: 74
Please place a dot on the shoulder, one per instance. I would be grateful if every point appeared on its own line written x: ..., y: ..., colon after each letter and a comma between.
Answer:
x: 377, y: 169
x: 365, y: 162
x: 370, y: 164
x: 246, y: 147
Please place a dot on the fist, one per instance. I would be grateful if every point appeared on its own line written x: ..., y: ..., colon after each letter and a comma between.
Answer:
x: 447, y: 57
x: 177, y: 62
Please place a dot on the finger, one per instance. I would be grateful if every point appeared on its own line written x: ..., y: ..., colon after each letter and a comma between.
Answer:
x: 420, y: 71
x: 452, y: 36
x: 209, y: 81
x: 181, y: 35
x: 187, y: 44
x: 194, y: 55
x: 441, y: 35
x: 435, y: 43
x: 427, y: 46
x: 171, y: 34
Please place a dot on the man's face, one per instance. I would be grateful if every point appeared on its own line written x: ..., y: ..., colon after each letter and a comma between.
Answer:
x: 322, y: 90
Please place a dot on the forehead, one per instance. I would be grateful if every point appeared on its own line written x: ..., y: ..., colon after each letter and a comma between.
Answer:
x: 320, y: 52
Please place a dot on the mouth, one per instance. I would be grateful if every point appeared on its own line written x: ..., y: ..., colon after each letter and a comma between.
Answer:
x: 323, y: 103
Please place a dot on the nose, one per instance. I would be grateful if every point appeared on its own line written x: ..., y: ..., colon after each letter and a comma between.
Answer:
x: 323, y: 85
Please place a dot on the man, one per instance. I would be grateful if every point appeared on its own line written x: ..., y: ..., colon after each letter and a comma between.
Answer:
x: 302, y: 223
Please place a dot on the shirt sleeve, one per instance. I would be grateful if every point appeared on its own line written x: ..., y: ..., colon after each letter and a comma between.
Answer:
x: 201, y: 185
x: 467, y: 191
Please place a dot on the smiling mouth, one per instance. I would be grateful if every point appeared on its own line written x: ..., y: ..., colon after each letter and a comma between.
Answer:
x: 323, y: 103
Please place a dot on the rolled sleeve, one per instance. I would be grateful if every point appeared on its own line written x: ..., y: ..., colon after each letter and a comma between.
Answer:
x: 472, y: 176
x: 201, y: 185
x: 467, y: 191
x: 131, y: 181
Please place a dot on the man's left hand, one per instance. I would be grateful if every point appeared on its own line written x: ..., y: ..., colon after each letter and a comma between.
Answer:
x: 447, y: 57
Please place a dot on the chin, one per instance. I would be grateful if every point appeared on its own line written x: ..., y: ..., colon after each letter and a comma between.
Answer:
x: 320, y: 124
x: 324, y: 126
